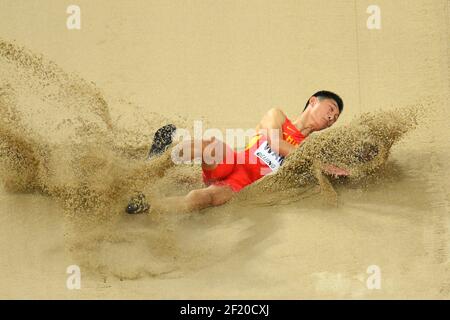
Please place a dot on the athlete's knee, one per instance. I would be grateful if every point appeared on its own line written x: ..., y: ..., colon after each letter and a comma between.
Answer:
x: 199, y: 197
x: 221, y: 196
x: 218, y: 201
x: 216, y: 151
x: 200, y: 148
x: 189, y: 149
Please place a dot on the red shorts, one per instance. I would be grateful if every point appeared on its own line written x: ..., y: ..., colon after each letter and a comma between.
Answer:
x: 234, y: 174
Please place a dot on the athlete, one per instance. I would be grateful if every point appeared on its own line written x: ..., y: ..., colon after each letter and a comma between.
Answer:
x: 276, y: 137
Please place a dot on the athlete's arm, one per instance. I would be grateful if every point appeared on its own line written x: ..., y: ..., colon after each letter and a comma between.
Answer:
x: 335, y: 171
x: 271, y: 126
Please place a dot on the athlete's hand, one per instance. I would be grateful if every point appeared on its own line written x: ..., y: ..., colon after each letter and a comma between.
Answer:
x: 335, y: 171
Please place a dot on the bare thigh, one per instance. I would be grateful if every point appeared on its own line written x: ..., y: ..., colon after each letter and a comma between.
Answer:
x: 211, y: 151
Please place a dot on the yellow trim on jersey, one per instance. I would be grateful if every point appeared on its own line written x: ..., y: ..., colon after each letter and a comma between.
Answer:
x: 253, y: 141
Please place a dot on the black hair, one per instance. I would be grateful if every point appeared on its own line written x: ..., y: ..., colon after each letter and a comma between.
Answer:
x: 328, y: 95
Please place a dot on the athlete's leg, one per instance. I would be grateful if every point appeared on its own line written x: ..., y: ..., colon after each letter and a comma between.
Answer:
x: 198, y: 199
x: 211, y: 152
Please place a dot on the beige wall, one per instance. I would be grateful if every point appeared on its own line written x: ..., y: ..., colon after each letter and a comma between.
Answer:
x: 232, y: 60
x: 229, y: 61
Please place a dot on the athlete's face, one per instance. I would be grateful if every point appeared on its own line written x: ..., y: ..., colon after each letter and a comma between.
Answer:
x: 324, y: 113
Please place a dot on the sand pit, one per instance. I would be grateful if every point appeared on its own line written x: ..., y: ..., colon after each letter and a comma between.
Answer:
x: 72, y: 153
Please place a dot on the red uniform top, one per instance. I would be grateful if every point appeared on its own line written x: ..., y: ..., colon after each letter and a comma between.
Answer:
x: 251, y: 164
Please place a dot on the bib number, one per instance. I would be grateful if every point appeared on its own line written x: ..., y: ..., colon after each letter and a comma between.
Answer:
x: 272, y: 159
